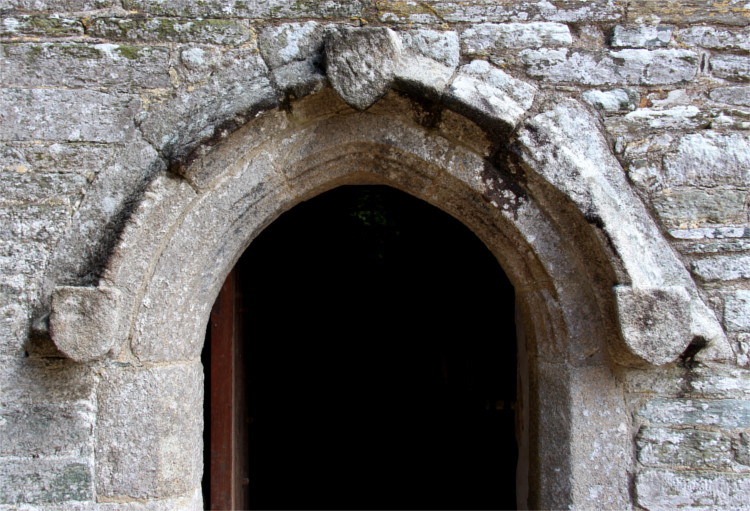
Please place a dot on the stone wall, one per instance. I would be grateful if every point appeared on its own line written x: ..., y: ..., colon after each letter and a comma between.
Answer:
x: 98, y: 97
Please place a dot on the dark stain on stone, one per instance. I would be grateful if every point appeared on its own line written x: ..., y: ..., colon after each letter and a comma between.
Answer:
x: 427, y: 111
x: 181, y: 157
x: 503, y: 190
x: 687, y: 359
x: 594, y: 219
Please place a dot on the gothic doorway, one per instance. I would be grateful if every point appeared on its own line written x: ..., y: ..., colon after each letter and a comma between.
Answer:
x: 372, y: 363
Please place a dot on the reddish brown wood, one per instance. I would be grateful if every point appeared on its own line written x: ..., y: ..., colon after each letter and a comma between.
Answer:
x: 223, y: 341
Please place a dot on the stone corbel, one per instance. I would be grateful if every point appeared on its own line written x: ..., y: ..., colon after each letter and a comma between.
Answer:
x: 85, y: 322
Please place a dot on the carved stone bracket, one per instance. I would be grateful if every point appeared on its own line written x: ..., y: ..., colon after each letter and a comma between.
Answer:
x: 85, y: 321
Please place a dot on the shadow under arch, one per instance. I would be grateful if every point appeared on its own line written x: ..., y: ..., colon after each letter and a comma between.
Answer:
x: 377, y: 353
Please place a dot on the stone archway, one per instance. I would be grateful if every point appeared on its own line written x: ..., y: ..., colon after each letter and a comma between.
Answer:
x: 554, y: 209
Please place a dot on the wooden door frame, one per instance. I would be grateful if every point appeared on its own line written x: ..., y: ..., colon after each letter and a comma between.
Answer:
x: 228, y: 483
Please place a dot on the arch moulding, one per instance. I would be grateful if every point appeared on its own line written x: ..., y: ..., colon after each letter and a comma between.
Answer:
x: 596, y: 284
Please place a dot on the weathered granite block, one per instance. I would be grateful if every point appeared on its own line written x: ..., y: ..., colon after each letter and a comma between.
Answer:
x: 240, y: 86
x: 73, y: 65
x: 658, y: 120
x: 46, y: 429
x: 662, y: 490
x: 737, y: 95
x: 29, y: 114
x: 283, y: 44
x: 691, y: 448
x: 37, y: 222
x: 58, y: 5
x: 737, y: 310
x: 710, y: 158
x: 494, y: 95
x: 36, y: 156
x: 720, y: 413
x: 499, y: 11
x: 491, y: 38
x: 43, y: 26
x: 38, y: 481
x: 693, y: 207
x: 715, y: 38
x: 722, y: 267
x: 642, y: 36
x: 150, y: 421
x: 729, y: 12
x: 178, y: 30
x: 25, y: 188
x: 248, y: 9
x: 612, y: 100
x: 30, y: 380
x: 735, y: 68
x: 645, y: 67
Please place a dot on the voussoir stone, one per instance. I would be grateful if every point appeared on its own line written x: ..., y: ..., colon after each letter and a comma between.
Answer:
x: 360, y: 63
x: 490, y: 95
x: 85, y: 321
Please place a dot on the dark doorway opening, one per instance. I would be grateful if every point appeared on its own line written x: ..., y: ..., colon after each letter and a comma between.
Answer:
x: 375, y: 359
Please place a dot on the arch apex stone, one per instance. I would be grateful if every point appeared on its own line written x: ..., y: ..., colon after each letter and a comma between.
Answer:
x: 85, y: 322
x: 361, y: 63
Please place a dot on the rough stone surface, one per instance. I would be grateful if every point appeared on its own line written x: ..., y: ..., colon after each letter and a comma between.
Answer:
x: 440, y: 46
x: 491, y: 38
x: 738, y: 95
x: 644, y: 36
x: 654, y: 322
x: 290, y: 42
x: 181, y: 30
x: 734, y: 68
x: 684, y: 448
x: 665, y: 490
x: 46, y: 430
x: 612, y: 100
x: 58, y: 5
x: 737, y: 310
x: 34, y: 481
x: 724, y: 413
x: 150, y: 421
x: 657, y: 119
x: 741, y: 448
x: 239, y: 87
x: 491, y: 93
x: 722, y: 268
x: 73, y: 65
x: 714, y: 38
x: 731, y: 12
x: 710, y: 159
x: 36, y: 25
x: 360, y: 63
x: 683, y: 208
x: 85, y: 322
x: 97, y: 222
x: 248, y: 9
x: 637, y: 67
x: 480, y: 11
x: 43, y: 114
x: 427, y: 62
